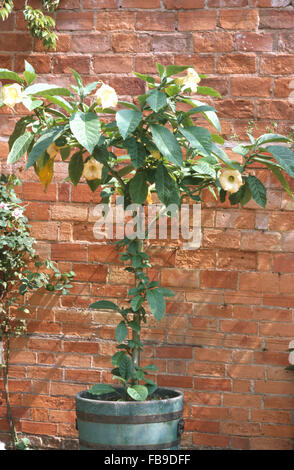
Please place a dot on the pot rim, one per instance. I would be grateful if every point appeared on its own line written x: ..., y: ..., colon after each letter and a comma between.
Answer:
x: 132, y: 403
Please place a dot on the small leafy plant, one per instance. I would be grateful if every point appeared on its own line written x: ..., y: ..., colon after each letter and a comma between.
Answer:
x: 164, y: 148
x: 21, y: 272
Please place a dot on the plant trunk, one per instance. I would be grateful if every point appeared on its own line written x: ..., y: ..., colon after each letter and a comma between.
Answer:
x: 12, y: 429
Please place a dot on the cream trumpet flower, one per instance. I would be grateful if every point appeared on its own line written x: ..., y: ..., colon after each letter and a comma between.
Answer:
x: 106, y: 96
x: 12, y: 94
x: 230, y: 180
x: 291, y: 355
x: 92, y: 169
x: 191, y: 80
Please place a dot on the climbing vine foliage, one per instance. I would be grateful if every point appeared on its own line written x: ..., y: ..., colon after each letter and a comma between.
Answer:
x: 40, y: 25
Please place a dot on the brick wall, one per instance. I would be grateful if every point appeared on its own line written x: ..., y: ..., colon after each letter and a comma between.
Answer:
x: 225, y: 335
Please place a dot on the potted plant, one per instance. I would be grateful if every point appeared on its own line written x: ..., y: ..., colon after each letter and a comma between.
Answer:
x: 21, y: 271
x: 132, y: 149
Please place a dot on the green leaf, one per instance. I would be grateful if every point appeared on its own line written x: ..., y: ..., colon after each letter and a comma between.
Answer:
x: 138, y: 188
x: 166, y: 187
x: 29, y: 77
x: 138, y: 392
x: 117, y: 357
x: 29, y: 67
x: 206, y: 90
x: 165, y: 292
x: 265, y: 138
x: 221, y: 155
x: 167, y: 144
x: 126, y: 368
x: 121, y: 332
x: 45, y: 88
x: 19, y: 129
x: 136, y: 302
x: 156, y: 100
x: 6, y: 74
x: 61, y: 102
x: 146, y: 78
x: 46, y: 138
x: 156, y: 303
x: 128, y: 121
x: 175, y: 69
x: 19, y: 147
x: 100, y: 389
x: 104, y: 305
x: 160, y: 69
x: 258, y: 190
x: 136, y: 151
x: 75, y: 168
x: 247, y: 195
x: 210, y: 116
x: 279, y: 175
x: 199, y: 138
x: 78, y: 78
x: 284, y: 156
x: 86, y: 129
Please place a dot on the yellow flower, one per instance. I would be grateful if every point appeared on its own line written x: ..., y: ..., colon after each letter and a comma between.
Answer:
x: 45, y: 173
x: 191, y: 80
x: 12, y: 94
x: 52, y: 150
x: 92, y: 169
x: 155, y: 154
x: 106, y: 96
x: 231, y: 180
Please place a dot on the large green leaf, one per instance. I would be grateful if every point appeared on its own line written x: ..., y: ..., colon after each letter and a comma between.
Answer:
x: 265, y: 138
x: 284, y: 156
x: 6, y: 74
x: 39, y: 89
x: 175, y: 69
x: 279, y: 175
x: 156, y: 303
x: 157, y: 100
x: 46, y: 138
x: 60, y: 102
x: 126, y: 368
x: 221, y: 155
x: 128, y: 121
x: 167, y: 144
x: 101, y: 389
x: 206, y: 90
x: 121, y: 332
x: 138, y: 392
x: 19, y: 147
x: 104, y: 305
x: 19, y: 129
x: 138, y: 188
x: 136, y: 151
x: 86, y: 128
x: 211, y: 116
x: 199, y: 138
x: 258, y: 190
x: 75, y: 168
x: 166, y: 187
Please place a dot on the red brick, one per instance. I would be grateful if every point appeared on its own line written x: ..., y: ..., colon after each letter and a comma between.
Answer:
x: 75, y: 20
x: 46, y: 429
x: 100, y: 4
x: 15, y: 42
x: 138, y: 4
x: 240, y: 429
x: 155, y: 21
x: 257, y: 241
x: 115, y: 21
x: 219, y: 279
x: 171, y: 43
x: 213, y: 42
x: 113, y: 64
x: 251, y: 86
x: 62, y: 44
x: 63, y: 64
x: 239, y: 19
x: 259, y: 282
x: 86, y: 43
x: 41, y: 63
x: 6, y: 61
x: 201, y: 20
x: 275, y: 109
x: 283, y: 262
x: 266, y: 443
x: 183, y: 4
x: 203, y: 64
x: 254, y: 42
x: 69, y: 251
x: 286, y: 42
x: 239, y: 326
x: 129, y: 42
x: 281, y: 64
x: 237, y: 63
x: 276, y: 19
x: 179, y: 278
